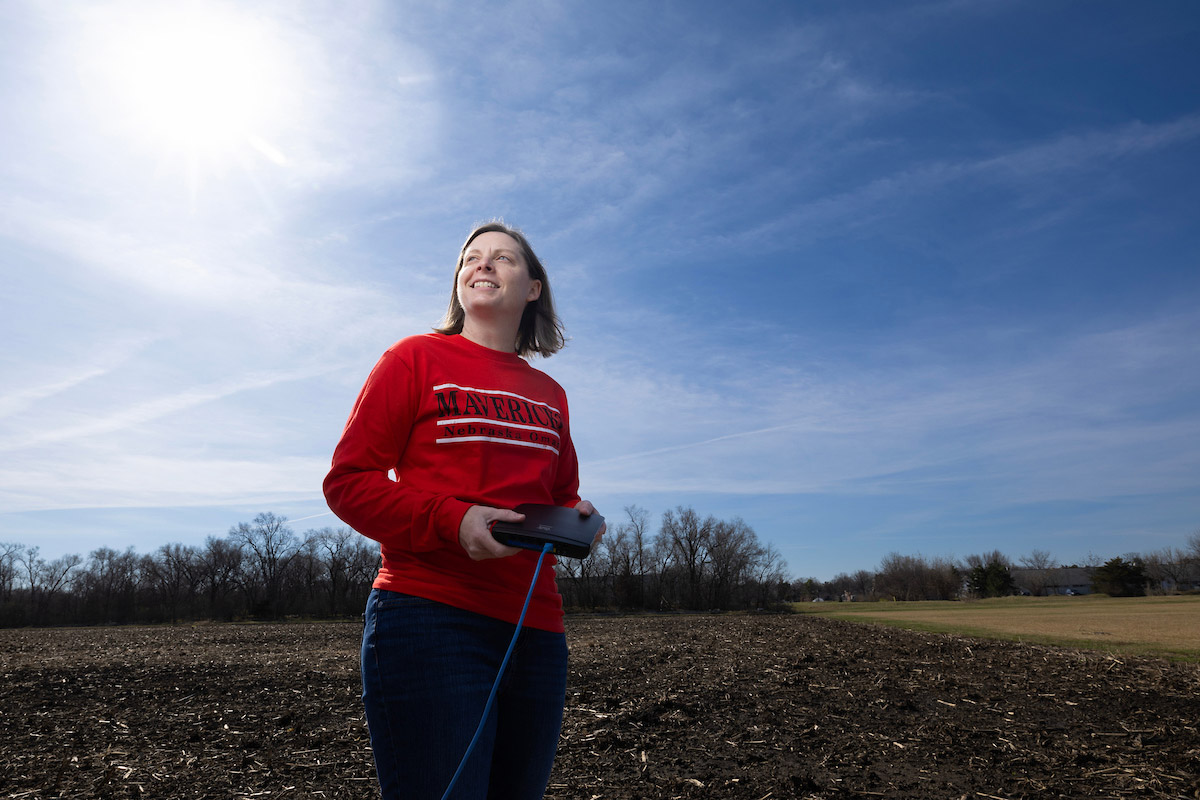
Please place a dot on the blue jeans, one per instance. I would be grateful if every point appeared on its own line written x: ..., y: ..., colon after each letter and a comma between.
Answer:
x: 427, y: 669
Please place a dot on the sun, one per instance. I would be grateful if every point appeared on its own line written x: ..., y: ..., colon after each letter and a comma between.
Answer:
x: 203, y: 80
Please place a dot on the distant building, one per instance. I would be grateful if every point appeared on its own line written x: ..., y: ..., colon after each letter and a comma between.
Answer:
x: 1061, y: 580
x: 1078, y: 580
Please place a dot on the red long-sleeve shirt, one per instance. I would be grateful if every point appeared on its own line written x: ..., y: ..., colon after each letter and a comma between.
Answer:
x: 459, y: 425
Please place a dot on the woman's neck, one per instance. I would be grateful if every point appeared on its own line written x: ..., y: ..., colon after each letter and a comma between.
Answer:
x: 493, y: 337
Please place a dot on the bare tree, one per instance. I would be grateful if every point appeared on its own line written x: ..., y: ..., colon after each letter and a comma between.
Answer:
x: 46, y: 580
x: 175, y: 572
x: 899, y: 577
x: 689, y: 539
x: 109, y: 582
x: 305, y: 581
x: 637, y: 525
x: 863, y: 583
x: 339, y: 556
x: 660, y: 562
x: 585, y: 582
x: 10, y: 553
x: 769, y: 577
x: 1039, y: 563
x: 628, y: 557
x: 567, y: 575
x: 618, y: 558
x: 220, y: 566
x: 942, y: 580
x: 1166, y: 569
x: 269, y: 546
x: 593, y: 578
x: 1193, y: 547
x: 915, y: 578
x: 365, y: 561
x: 732, y: 550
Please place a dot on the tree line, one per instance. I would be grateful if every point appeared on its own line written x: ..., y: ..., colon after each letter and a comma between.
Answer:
x: 993, y: 574
x: 689, y: 563
x: 264, y: 570
x: 260, y: 570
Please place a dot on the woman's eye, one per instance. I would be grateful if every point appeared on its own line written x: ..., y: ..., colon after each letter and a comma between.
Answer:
x: 502, y: 258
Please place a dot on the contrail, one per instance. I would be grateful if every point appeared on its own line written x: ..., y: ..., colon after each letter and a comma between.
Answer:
x: 689, y: 445
x: 314, y: 516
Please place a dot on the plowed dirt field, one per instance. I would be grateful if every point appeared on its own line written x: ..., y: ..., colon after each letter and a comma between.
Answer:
x: 658, y: 707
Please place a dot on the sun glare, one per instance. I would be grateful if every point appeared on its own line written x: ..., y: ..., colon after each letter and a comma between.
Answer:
x: 202, y: 80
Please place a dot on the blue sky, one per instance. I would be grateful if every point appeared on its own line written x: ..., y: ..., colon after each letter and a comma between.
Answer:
x: 876, y: 277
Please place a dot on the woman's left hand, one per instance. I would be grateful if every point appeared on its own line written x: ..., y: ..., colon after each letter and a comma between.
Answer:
x: 586, y: 509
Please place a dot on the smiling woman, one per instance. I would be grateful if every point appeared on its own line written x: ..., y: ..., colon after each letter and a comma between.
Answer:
x: 200, y: 81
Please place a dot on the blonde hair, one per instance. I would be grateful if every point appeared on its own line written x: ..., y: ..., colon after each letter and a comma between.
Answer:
x: 540, y: 332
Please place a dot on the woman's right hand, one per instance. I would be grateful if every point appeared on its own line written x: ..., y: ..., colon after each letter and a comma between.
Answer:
x: 475, y: 534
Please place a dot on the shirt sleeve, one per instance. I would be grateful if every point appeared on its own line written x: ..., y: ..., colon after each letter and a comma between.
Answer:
x: 358, y: 488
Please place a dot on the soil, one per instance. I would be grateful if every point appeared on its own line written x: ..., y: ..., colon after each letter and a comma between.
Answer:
x: 658, y: 707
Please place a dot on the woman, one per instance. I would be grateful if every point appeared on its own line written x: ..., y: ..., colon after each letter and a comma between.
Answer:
x: 470, y: 430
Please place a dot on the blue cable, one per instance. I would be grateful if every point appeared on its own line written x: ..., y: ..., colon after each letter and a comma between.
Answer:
x: 487, y: 709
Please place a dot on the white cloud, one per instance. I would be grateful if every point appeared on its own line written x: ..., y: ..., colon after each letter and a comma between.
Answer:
x: 138, y: 413
x: 1068, y: 423
x: 42, y: 381
x: 113, y: 479
x: 1028, y: 168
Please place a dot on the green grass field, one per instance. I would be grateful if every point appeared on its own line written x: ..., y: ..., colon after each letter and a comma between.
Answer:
x: 1160, y: 626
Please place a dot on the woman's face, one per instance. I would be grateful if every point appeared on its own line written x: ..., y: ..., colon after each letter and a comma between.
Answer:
x: 494, y: 280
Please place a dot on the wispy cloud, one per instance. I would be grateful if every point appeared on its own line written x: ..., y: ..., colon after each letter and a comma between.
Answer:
x: 1067, y: 423
x: 1027, y: 168
x: 138, y: 414
x: 124, y: 480
x: 1090, y: 150
x: 53, y: 380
